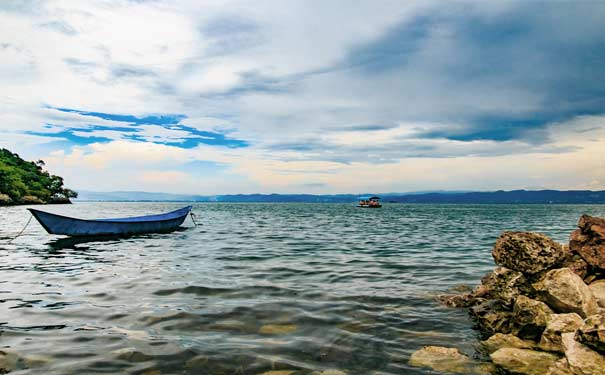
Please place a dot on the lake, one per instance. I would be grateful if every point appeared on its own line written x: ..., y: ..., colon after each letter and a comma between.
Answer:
x: 254, y: 288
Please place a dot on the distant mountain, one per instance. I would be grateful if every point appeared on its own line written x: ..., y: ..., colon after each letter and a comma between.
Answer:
x: 493, y: 197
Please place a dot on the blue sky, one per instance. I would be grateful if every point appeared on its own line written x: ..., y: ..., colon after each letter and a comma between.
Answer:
x: 306, y: 96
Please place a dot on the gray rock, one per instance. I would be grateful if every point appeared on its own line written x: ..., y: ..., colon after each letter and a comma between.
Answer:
x: 527, y: 252
x: 580, y: 358
x: 523, y: 361
x: 558, y: 325
x: 564, y: 292
x: 530, y: 317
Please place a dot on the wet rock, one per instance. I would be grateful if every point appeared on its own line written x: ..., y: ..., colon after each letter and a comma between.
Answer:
x: 330, y: 372
x: 589, y: 240
x: 446, y: 360
x: 459, y: 300
x: 530, y: 317
x: 501, y: 340
x: 503, y: 284
x: 523, y: 361
x: 492, y: 316
x: 277, y: 329
x: 8, y: 361
x: 196, y: 362
x: 598, y: 291
x: 564, y: 291
x: 558, y: 325
x: 462, y: 288
x: 527, y: 252
x: 581, y: 359
x: 36, y: 360
x: 560, y: 367
x: 279, y: 372
x: 131, y: 355
x: 592, y: 333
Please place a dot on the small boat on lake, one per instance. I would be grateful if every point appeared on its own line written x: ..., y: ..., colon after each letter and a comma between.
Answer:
x: 369, y: 202
x: 69, y: 226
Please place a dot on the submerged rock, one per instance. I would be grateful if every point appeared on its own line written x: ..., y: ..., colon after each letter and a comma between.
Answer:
x: 277, y: 329
x: 501, y: 340
x: 447, y: 360
x: 592, y: 333
x: 558, y: 325
x: 503, y: 284
x: 523, y: 361
x: 527, y: 252
x: 581, y: 359
x: 530, y: 317
x: 564, y: 291
x: 8, y: 361
x: 589, y: 240
x: 459, y: 300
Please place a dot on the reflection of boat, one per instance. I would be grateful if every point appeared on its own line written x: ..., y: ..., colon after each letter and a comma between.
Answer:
x: 57, y: 224
x: 369, y: 202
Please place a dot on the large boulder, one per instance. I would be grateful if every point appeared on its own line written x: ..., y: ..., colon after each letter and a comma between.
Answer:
x: 527, y: 252
x: 581, y: 359
x: 575, y: 262
x: 523, y: 361
x: 564, y: 292
x: 449, y: 360
x: 530, y: 317
x: 501, y: 340
x: 503, y: 284
x: 558, y: 325
x: 492, y: 316
x: 589, y: 240
x: 592, y: 333
x: 598, y: 291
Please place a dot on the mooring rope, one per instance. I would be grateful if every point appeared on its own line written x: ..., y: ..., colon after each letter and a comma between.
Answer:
x: 193, y: 218
x: 22, y: 230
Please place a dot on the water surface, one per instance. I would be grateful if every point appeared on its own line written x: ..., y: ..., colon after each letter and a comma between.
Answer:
x: 257, y: 287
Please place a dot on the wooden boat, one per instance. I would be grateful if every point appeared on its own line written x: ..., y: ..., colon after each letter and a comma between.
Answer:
x: 57, y: 224
x: 369, y: 202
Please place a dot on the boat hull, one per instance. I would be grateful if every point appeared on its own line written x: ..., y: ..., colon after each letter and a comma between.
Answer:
x: 68, y: 226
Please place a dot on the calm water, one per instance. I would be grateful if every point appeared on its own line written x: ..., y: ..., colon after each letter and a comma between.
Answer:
x: 257, y: 287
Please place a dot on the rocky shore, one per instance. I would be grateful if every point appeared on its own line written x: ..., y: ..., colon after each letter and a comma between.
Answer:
x: 541, y: 311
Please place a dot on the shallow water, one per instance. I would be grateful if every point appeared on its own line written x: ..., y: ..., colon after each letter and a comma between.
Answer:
x: 257, y: 287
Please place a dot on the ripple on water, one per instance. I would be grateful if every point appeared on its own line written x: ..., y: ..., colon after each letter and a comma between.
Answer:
x: 274, y: 289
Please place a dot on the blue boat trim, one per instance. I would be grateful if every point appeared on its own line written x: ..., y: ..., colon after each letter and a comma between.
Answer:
x: 58, y: 224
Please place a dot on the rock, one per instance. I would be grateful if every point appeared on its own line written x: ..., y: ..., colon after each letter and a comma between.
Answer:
x: 492, y: 316
x: 560, y: 367
x: 575, y: 263
x: 459, y: 300
x: 277, y: 329
x: 530, y: 317
x: 598, y: 291
x: 280, y: 372
x: 592, y: 333
x: 564, y: 291
x: 446, y: 360
x: 131, y: 355
x: 8, y: 361
x: 559, y: 324
x: 331, y: 372
x: 501, y: 340
x: 527, y: 252
x: 5, y: 200
x: 589, y: 240
x: 523, y: 361
x: 30, y: 199
x: 504, y: 284
x: 581, y: 359
x: 59, y: 200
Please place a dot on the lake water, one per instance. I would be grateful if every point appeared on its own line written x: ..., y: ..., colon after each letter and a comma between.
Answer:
x: 255, y: 288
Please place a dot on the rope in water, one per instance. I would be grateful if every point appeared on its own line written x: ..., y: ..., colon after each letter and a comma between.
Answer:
x: 22, y: 230
x: 193, y: 218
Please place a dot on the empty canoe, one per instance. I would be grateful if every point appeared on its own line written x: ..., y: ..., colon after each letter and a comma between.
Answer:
x: 69, y: 226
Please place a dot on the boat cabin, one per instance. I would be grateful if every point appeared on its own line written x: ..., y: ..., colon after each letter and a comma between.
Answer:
x: 369, y: 202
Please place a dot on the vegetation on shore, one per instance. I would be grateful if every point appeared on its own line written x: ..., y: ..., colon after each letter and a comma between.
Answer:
x: 26, y: 182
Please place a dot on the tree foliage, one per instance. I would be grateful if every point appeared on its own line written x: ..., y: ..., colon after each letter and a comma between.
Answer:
x: 20, y: 178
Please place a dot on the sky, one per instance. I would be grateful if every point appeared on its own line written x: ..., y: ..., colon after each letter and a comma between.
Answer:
x: 222, y: 97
